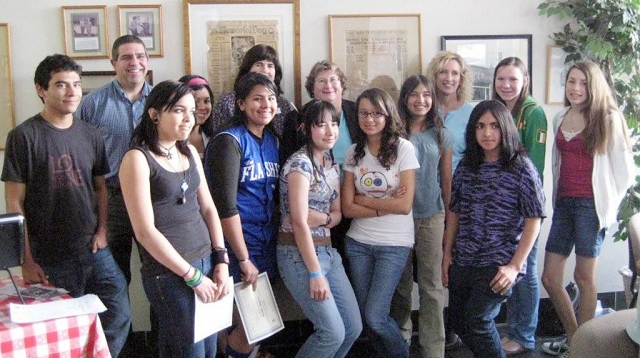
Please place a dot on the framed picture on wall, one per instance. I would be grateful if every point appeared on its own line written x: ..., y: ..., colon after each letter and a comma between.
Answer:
x: 483, y: 52
x: 86, y: 31
x: 556, y: 74
x: 92, y: 80
x: 376, y: 50
x: 7, y: 114
x: 144, y: 21
x: 219, y: 32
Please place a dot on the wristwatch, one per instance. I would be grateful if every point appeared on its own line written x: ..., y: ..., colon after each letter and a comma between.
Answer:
x: 329, y: 220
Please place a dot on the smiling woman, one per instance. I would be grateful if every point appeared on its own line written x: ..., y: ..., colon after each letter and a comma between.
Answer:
x: 174, y: 220
x: 241, y: 164
x: 378, y: 189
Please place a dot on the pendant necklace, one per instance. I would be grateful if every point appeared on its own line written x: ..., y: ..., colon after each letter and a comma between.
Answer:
x: 168, y: 155
x: 185, y: 183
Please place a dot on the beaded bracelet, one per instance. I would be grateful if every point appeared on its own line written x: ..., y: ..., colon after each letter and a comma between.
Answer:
x: 315, y: 274
x: 196, y: 280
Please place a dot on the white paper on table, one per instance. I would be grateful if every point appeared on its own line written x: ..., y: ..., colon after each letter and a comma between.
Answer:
x: 258, y: 309
x: 214, y: 316
x: 37, y: 312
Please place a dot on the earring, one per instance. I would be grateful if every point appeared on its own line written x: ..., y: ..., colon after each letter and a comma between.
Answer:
x: 156, y: 120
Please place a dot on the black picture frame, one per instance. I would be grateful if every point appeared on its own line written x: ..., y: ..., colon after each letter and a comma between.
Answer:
x: 482, y: 63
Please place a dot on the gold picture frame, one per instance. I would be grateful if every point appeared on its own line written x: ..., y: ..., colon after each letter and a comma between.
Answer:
x: 556, y: 74
x: 7, y: 114
x: 144, y: 21
x: 219, y: 32
x: 377, y: 50
x: 92, y: 80
x: 86, y: 31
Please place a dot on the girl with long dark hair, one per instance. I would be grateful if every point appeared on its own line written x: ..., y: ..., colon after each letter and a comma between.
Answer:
x: 497, y: 204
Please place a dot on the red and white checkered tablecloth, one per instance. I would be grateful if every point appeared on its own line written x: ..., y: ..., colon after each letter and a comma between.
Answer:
x: 77, y: 336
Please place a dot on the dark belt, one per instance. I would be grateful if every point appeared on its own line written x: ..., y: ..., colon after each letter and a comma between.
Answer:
x: 287, y: 238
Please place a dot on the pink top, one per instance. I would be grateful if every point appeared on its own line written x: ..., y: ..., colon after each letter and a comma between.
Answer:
x: 576, y: 166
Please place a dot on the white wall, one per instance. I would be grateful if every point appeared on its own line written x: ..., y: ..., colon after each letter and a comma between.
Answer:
x: 36, y: 31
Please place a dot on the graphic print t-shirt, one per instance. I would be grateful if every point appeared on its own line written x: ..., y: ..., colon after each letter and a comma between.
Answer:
x: 376, y: 181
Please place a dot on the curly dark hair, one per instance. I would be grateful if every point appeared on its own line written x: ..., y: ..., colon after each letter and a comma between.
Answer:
x: 391, y: 133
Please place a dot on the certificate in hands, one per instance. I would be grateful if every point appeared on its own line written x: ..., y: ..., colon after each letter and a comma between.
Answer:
x: 258, y: 309
x: 212, y: 317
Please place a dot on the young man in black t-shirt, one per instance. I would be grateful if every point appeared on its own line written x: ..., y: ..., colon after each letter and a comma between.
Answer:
x: 54, y: 175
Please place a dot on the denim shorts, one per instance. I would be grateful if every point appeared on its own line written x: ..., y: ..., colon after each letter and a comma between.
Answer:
x: 575, y: 222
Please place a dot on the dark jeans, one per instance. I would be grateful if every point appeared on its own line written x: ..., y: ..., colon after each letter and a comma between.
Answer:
x: 174, y: 304
x: 98, y: 274
x: 473, y: 308
x: 120, y: 232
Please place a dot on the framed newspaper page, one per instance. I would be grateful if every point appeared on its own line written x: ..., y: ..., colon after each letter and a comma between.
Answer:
x: 483, y: 52
x: 7, y: 115
x: 219, y: 32
x: 86, y: 31
x: 144, y: 21
x: 376, y: 50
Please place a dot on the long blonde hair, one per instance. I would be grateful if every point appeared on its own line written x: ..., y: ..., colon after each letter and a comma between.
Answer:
x: 599, y: 106
x: 465, y: 89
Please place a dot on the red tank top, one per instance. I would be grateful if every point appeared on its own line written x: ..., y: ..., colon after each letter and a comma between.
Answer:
x: 576, y: 167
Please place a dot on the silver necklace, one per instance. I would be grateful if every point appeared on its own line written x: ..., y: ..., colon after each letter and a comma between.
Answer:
x: 168, y: 155
x: 185, y: 182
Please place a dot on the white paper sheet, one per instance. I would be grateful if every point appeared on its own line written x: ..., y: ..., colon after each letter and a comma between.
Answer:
x: 37, y: 312
x: 258, y: 309
x: 214, y: 316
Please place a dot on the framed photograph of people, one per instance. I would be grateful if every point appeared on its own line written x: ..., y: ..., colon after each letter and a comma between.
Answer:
x: 7, y: 115
x: 219, y: 32
x: 86, y: 31
x: 92, y: 80
x: 376, y: 50
x: 144, y: 21
x: 483, y: 52
x: 557, y: 68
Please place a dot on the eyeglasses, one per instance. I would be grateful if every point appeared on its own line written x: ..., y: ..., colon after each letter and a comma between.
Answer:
x: 374, y: 115
x: 323, y: 81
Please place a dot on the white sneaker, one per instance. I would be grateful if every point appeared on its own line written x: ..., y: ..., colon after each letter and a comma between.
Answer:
x: 556, y: 348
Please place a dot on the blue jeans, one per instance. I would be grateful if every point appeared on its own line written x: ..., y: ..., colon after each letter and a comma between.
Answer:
x: 473, y: 308
x: 100, y: 275
x: 522, y: 306
x: 336, y: 320
x: 174, y: 305
x: 375, y: 273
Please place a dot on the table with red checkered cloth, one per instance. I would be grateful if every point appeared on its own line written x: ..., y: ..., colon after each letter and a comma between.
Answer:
x: 76, y: 336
